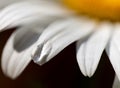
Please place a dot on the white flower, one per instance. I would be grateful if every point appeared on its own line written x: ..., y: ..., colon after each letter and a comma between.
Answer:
x: 47, y: 28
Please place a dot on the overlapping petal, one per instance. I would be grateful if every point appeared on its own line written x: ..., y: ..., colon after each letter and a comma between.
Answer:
x: 69, y: 34
x: 26, y: 44
x: 17, y: 51
x: 21, y: 13
x: 90, y: 50
x: 113, y: 50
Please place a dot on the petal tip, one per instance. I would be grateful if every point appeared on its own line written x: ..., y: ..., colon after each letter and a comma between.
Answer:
x: 41, y: 53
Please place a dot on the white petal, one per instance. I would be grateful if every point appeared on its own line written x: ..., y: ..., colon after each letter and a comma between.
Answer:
x: 116, y: 83
x: 4, y: 3
x: 17, y: 52
x: 54, y: 28
x: 90, y: 50
x: 51, y: 31
x: 81, y: 57
x: 32, y: 11
x: 76, y: 30
x: 113, y: 50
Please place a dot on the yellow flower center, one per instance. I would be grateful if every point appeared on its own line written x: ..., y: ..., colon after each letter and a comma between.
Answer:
x: 103, y: 9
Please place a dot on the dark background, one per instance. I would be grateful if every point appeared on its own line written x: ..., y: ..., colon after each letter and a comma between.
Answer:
x: 61, y: 72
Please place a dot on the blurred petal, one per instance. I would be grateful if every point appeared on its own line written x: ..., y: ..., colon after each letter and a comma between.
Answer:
x: 4, y: 3
x: 54, y: 28
x: 75, y: 30
x: 26, y: 12
x: 17, y: 52
x: 90, y: 50
x: 113, y: 50
x: 116, y: 83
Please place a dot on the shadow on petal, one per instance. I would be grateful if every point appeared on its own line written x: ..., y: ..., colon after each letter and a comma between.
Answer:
x: 25, y: 41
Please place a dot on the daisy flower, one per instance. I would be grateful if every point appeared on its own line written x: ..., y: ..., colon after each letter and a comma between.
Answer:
x: 46, y: 27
